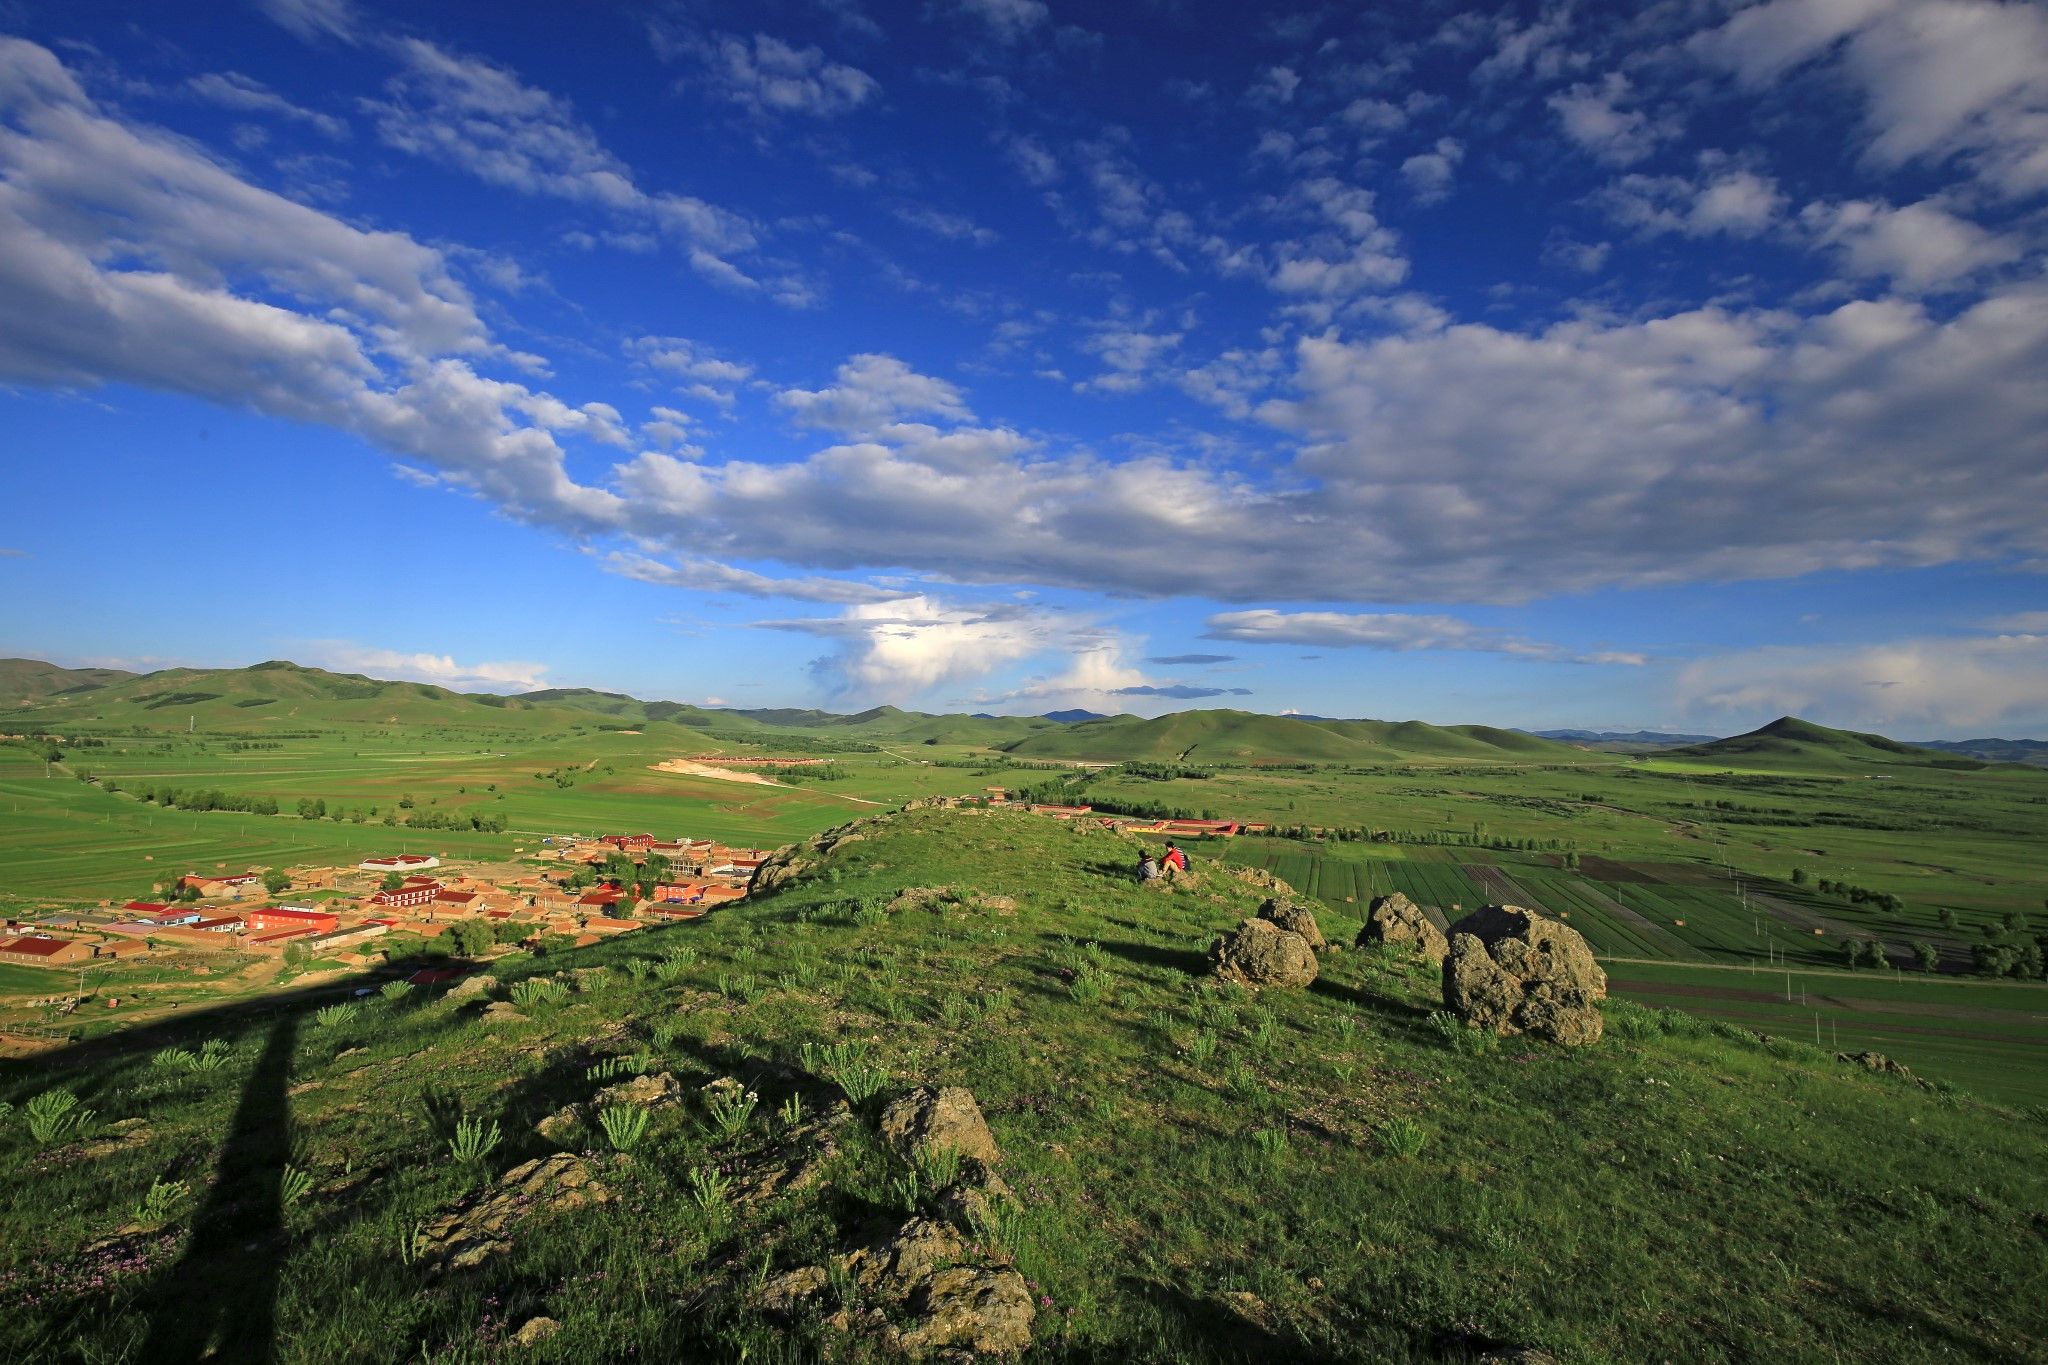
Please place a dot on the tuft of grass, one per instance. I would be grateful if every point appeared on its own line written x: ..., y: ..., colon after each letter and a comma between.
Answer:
x: 1403, y: 1137
x: 55, y: 1116
x: 473, y: 1140
x: 160, y: 1204
x: 624, y: 1125
x: 334, y: 1016
x: 538, y: 992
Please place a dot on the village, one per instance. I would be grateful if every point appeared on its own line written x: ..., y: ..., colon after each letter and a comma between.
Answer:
x: 571, y: 892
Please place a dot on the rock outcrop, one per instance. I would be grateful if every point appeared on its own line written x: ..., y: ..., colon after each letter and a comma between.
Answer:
x: 1295, y: 918
x: 1260, y: 879
x: 467, y: 1237
x: 932, y: 1118
x: 1396, y: 919
x: 1261, y: 953
x: 1511, y: 971
x: 958, y: 1302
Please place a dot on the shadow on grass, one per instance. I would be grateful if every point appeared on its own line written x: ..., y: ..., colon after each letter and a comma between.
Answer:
x: 220, y: 1300
x: 1155, y: 955
x: 1198, y: 1329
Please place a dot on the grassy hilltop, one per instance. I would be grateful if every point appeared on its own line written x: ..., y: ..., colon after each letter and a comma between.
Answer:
x: 1224, y: 736
x: 1200, y: 1173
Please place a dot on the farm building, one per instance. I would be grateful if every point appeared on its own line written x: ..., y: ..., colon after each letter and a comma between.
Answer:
x: 272, y: 918
x: 211, y: 887
x: 416, y: 891
x: 202, y: 940
x: 400, y: 862
x: 35, y: 950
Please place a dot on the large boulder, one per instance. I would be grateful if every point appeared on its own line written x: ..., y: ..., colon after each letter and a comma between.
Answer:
x: 1511, y: 971
x: 1261, y: 953
x: 1295, y: 918
x: 1396, y: 919
x: 932, y: 1118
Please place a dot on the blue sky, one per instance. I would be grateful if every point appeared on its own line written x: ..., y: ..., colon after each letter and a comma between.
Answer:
x: 1535, y: 364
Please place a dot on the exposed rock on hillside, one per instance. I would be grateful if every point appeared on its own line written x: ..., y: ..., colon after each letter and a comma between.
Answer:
x: 1261, y: 953
x: 1260, y: 879
x: 791, y: 861
x: 1396, y: 919
x: 463, y: 1238
x: 932, y: 1119
x: 1295, y: 918
x: 1511, y: 971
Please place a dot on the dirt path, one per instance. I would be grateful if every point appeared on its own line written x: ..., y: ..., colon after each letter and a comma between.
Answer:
x: 686, y: 767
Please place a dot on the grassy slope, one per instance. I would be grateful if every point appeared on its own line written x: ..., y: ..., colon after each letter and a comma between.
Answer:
x: 1789, y: 741
x: 1674, y: 1193
x: 1224, y: 736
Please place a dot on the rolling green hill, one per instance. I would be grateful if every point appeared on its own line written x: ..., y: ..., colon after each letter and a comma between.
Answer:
x: 25, y: 679
x: 1190, y: 1171
x: 1790, y: 741
x: 1224, y: 736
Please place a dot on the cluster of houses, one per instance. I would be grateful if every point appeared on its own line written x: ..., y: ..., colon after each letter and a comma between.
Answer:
x: 400, y: 894
x: 1170, y: 829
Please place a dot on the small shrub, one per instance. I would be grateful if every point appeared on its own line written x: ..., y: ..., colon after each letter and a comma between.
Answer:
x: 334, y: 1016
x: 623, y: 1124
x: 54, y: 1116
x: 295, y: 1184
x: 611, y: 1068
x: 1403, y: 1137
x: 708, y: 1190
x: 729, y: 1111
x: 395, y: 991
x: 850, y: 1066
x: 1202, y: 1048
x: 996, y: 1224
x: 171, y: 1059
x: 638, y: 968
x: 473, y: 1140
x: 1272, y: 1144
x: 160, y: 1204
x: 538, y: 992
x: 867, y: 916
x: 791, y: 1113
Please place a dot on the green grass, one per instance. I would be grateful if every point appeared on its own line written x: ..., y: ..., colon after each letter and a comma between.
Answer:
x: 1677, y: 1192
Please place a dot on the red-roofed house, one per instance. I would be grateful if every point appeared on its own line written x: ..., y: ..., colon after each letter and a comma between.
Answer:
x: 416, y: 891
x: 222, y: 886
x: 143, y: 909
x: 220, y: 924
x: 629, y: 843
x: 34, y: 950
x: 448, y: 902
x: 678, y: 892
x: 305, y: 921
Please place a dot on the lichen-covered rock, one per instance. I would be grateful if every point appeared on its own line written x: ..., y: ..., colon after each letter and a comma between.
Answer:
x: 1396, y: 919
x: 466, y: 1237
x: 983, y: 1309
x: 1875, y: 1062
x: 1261, y: 879
x: 785, y: 1293
x: 1261, y: 953
x: 470, y: 988
x: 1295, y: 918
x: 931, y: 1118
x: 657, y: 1091
x: 502, y: 1012
x: 536, y: 1330
x: 1511, y: 971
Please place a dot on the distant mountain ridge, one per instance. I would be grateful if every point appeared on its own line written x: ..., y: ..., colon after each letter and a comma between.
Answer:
x: 1622, y: 737
x: 1789, y: 739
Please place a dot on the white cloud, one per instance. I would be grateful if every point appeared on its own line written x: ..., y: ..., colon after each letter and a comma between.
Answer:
x: 1429, y: 174
x: 708, y: 575
x: 1920, y: 247
x: 1946, y: 684
x: 313, y: 19
x: 1007, y: 20
x: 232, y: 90
x: 769, y: 77
x: 1723, y: 199
x: 483, y: 119
x: 897, y: 648
x: 940, y: 223
x: 1941, y: 79
x: 873, y: 393
x: 344, y: 656
x: 1398, y: 631
x: 1593, y: 117
x: 704, y: 373
x: 1354, y: 254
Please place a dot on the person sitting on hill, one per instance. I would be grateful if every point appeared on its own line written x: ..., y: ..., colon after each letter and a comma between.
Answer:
x: 1148, y: 869
x: 1175, y: 858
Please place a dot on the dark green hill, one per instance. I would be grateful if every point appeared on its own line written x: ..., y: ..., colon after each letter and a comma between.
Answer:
x: 1193, y: 1172
x: 1789, y: 740
x: 1225, y: 736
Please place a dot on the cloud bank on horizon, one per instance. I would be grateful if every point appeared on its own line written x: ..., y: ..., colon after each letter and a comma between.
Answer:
x: 1013, y: 358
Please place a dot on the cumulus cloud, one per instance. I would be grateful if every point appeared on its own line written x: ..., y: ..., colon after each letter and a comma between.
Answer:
x: 1920, y: 247
x: 698, y: 370
x: 1429, y: 174
x: 873, y: 393
x: 1353, y: 253
x: 345, y: 656
x: 1723, y: 199
x: 1941, y: 80
x: 1392, y: 631
x: 899, y: 647
x: 768, y: 77
x: 1594, y: 117
x: 1951, y: 685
